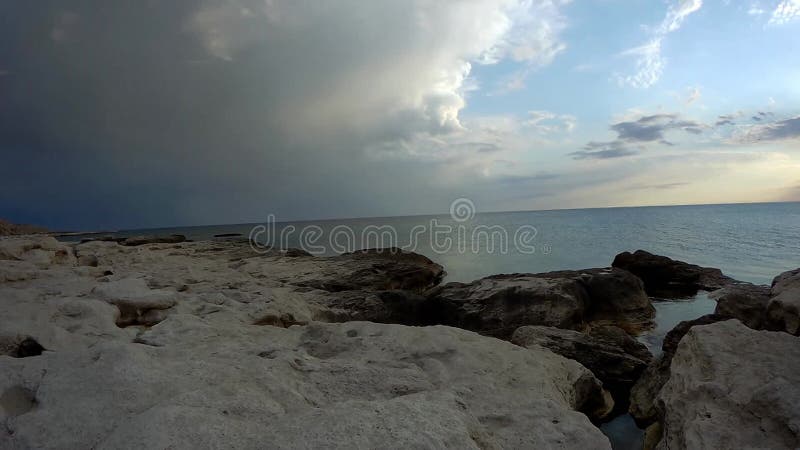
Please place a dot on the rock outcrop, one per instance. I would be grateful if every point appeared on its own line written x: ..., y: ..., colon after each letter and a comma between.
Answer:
x: 732, y: 387
x: 668, y: 278
x: 241, y: 360
x: 144, y: 240
x: 26, y: 258
x: 783, y: 310
x: 743, y: 301
x: 374, y: 270
x: 499, y: 304
x: 11, y: 229
x: 644, y: 393
x: 609, y: 352
x: 775, y: 308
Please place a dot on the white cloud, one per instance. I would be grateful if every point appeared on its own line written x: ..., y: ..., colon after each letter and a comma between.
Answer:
x: 649, y: 61
x: 756, y: 10
x: 546, y: 122
x: 693, y: 95
x: 649, y: 64
x: 786, y: 11
x: 396, y: 65
x: 677, y: 14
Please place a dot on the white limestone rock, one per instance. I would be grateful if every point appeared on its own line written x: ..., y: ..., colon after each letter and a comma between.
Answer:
x: 783, y: 310
x: 207, y: 376
x: 732, y: 387
x: 353, y: 385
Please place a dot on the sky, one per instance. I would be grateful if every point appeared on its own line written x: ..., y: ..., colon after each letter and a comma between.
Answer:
x: 188, y: 112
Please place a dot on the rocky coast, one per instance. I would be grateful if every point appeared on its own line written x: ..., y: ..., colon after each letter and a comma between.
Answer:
x: 164, y: 343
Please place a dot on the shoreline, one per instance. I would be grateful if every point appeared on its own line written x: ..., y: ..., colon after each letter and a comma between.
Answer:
x: 149, y: 300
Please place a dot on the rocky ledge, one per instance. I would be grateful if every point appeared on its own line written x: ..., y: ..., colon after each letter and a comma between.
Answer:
x: 165, y: 343
x: 11, y: 229
x: 207, y: 344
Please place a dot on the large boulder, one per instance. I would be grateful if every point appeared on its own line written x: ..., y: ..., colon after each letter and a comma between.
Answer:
x: 783, y: 310
x: 666, y: 277
x: 775, y: 308
x: 499, y: 304
x: 745, y: 302
x: 609, y: 352
x: 615, y: 296
x: 195, y: 383
x: 732, y: 387
x: 644, y: 393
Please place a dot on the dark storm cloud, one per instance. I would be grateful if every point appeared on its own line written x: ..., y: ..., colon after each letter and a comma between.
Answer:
x: 152, y: 112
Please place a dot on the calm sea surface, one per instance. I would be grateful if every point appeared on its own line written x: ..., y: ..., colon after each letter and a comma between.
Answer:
x: 752, y: 242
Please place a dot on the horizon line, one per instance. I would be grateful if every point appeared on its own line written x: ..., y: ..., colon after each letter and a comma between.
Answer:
x: 331, y: 219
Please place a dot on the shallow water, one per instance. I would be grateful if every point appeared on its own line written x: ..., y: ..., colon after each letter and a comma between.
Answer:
x: 623, y: 433
x: 622, y: 430
x: 670, y: 313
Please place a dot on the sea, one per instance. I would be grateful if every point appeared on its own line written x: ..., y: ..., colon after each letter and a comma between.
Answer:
x: 749, y: 242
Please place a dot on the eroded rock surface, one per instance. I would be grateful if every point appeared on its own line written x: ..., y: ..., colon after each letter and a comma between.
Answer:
x: 783, y: 310
x: 138, y: 304
x: 732, y: 387
x: 241, y: 360
x: 499, y: 304
x: 775, y: 308
x: 374, y: 270
x: 609, y: 352
x: 644, y: 394
x: 743, y: 301
x: 11, y: 229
